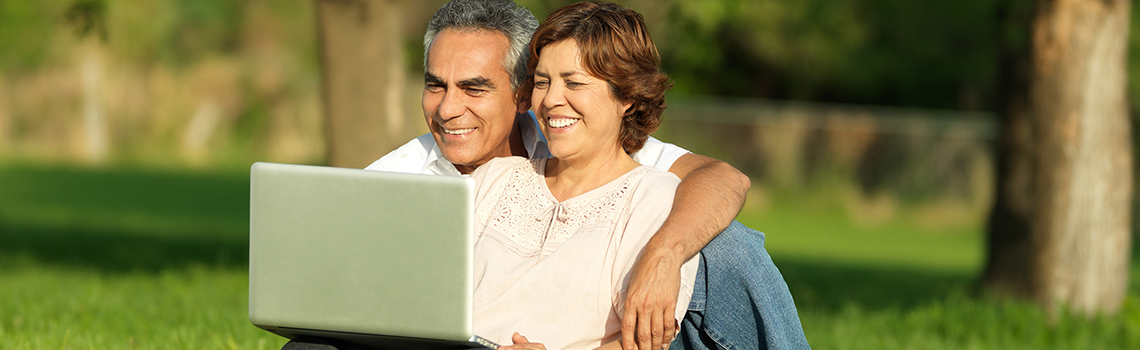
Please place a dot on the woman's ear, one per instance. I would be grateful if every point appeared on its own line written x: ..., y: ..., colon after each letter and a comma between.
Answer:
x: 628, y: 106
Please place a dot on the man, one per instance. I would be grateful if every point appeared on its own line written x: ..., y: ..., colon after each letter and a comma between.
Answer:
x: 475, y: 104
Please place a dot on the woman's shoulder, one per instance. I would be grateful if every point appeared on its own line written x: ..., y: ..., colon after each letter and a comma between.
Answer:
x: 655, y: 185
x: 656, y: 177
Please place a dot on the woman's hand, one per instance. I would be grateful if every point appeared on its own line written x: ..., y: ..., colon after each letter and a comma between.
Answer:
x: 521, y: 343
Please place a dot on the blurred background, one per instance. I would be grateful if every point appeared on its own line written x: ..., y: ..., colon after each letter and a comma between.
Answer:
x: 870, y: 129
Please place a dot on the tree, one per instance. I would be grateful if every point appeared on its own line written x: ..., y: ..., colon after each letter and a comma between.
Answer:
x: 1060, y: 231
x: 362, y: 69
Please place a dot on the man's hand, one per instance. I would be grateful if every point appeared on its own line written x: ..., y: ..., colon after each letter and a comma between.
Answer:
x: 521, y: 343
x: 650, y: 301
x: 710, y: 195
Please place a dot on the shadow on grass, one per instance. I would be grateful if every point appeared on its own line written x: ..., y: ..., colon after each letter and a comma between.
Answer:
x: 830, y: 285
x: 164, y: 195
x: 114, y: 251
x: 122, y: 220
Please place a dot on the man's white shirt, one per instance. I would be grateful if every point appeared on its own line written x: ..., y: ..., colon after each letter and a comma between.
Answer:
x: 422, y: 155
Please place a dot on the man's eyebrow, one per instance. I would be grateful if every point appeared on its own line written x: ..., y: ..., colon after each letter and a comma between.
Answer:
x: 432, y: 79
x: 477, y: 82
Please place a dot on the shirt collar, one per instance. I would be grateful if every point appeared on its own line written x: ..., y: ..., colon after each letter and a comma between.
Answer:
x: 438, y: 165
x: 533, y: 139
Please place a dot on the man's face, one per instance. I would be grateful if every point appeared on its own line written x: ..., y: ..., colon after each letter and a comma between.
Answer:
x: 468, y: 102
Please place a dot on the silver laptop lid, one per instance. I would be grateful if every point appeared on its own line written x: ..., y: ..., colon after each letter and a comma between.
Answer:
x: 364, y: 252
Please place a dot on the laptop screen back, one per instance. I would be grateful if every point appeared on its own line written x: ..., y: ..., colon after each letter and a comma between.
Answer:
x: 353, y: 251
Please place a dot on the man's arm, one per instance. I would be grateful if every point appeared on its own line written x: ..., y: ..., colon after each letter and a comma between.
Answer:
x: 709, y: 197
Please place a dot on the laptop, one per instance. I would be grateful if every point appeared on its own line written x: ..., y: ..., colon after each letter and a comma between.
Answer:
x: 382, y: 260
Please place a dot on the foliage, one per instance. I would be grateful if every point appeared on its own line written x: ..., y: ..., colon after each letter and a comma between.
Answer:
x: 170, y: 82
x: 884, y: 52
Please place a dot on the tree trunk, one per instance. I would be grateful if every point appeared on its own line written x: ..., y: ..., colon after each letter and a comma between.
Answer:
x: 1081, y: 227
x: 1009, y: 256
x: 363, y: 77
x: 1081, y: 164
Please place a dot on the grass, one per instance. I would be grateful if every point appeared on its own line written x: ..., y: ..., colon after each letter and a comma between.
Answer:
x: 123, y: 259
x: 130, y: 258
x: 905, y: 284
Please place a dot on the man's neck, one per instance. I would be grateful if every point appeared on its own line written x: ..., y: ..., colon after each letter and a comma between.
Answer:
x: 518, y: 148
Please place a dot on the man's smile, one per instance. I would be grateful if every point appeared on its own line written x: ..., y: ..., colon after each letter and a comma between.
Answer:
x: 456, y: 131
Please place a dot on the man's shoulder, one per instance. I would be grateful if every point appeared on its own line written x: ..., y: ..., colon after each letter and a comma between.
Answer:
x: 412, y: 157
x: 659, y: 155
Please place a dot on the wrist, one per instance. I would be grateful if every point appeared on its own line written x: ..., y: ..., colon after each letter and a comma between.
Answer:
x: 664, y: 254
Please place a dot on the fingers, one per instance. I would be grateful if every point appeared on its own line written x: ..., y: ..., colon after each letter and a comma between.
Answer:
x: 628, y: 326
x: 522, y: 343
x: 670, y: 323
x: 645, y: 330
x: 657, y: 330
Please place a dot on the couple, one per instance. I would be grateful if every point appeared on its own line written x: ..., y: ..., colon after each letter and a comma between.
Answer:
x: 581, y: 245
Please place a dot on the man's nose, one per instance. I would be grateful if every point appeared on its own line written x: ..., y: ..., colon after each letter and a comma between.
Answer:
x: 452, y: 105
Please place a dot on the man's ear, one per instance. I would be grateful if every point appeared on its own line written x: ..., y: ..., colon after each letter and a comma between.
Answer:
x: 523, y: 105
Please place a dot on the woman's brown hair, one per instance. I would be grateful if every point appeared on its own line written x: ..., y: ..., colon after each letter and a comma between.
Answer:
x: 616, y: 47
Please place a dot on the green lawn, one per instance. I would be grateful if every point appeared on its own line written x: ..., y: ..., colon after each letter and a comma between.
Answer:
x: 902, y: 284
x: 120, y: 259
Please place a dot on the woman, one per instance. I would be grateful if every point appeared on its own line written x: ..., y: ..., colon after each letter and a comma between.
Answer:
x: 557, y: 238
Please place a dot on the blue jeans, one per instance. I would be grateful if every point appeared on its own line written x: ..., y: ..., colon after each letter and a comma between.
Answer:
x: 740, y: 300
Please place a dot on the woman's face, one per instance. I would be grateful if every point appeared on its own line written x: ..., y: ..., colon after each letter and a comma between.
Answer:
x: 579, y: 113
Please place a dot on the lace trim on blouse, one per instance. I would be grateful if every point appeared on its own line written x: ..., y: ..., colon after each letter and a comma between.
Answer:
x: 529, y: 232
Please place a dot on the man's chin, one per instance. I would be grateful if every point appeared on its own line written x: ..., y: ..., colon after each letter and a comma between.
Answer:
x: 460, y: 158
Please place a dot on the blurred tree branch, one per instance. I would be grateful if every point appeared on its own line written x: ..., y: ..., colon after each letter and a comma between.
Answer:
x: 88, y: 17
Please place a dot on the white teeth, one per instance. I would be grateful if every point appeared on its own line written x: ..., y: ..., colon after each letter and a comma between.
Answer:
x: 457, y: 131
x: 562, y: 122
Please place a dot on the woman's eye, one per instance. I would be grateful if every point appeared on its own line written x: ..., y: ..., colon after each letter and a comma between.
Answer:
x: 542, y: 84
x: 573, y: 84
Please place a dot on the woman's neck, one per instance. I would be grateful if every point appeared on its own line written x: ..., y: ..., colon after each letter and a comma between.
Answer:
x: 568, y: 178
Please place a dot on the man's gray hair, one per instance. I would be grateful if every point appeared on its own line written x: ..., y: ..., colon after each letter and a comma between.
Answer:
x: 504, y: 16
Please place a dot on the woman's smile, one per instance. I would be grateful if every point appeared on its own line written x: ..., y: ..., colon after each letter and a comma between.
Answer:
x: 558, y: 123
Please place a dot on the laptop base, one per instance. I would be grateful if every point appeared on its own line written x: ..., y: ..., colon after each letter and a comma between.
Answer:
x: 308, y: 339
x: 310, y: 343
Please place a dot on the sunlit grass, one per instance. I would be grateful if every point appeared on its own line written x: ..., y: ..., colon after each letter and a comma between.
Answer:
x: 195, y: 307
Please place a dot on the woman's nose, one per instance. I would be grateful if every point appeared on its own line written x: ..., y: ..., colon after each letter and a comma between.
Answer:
x: 554, y: 96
